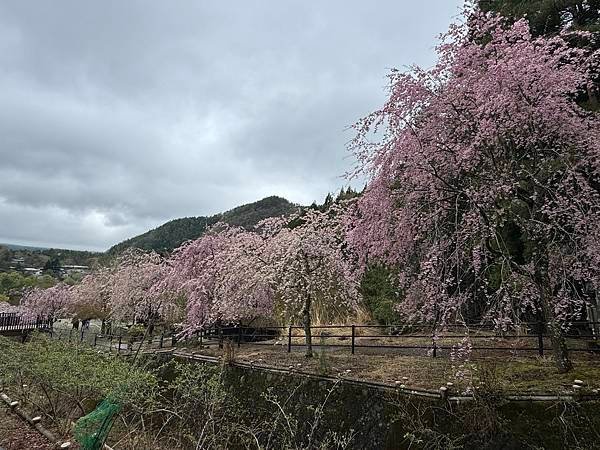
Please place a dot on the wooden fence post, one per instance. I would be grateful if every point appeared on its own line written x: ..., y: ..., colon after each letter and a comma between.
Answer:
x: 95, y: 340
x: 289, y: 349
x: 162, y: 336
x: 434, y: 344
x: 353, y: 336
x: 541, y: 338
x: 119, y: 349
x: 220, y: 332
x: 239, y: 336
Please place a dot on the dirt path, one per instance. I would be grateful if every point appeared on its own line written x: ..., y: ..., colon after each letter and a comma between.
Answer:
x: 17, y: 435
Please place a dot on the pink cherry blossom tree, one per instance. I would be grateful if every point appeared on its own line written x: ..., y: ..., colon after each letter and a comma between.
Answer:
x: 7, y: 308
x: 135, y: 293
x: 221, y: 277
x: 93, y: 296
x: 308, y: 263
x: 484, y: 184
x: 52, y: 303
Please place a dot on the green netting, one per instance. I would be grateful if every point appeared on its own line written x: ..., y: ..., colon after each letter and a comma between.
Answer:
x: 92, y: 430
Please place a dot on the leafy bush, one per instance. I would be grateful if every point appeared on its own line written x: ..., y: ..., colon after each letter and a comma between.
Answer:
x: 136, y: 332
x: 66, y: 380
x: 379, y: 294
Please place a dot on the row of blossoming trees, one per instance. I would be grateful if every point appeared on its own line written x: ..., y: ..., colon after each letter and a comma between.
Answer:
x: 483, y: 195
x: 291, y: 266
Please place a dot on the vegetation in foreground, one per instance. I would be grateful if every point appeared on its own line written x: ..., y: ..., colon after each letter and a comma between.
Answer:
x: 162, y: 406
x: 177, y: 405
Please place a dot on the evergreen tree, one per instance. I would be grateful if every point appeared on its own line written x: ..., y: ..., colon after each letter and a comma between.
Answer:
x: 549, y: 16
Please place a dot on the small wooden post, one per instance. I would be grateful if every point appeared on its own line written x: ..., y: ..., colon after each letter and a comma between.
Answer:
x: 220, y: 331
x: 201, y: 333
x: 434, y: 353
x: 353, y: 336
x: 82, y: 331
x: 239, y: 336
x: 110, y: 344
x: 444, y: 393
x: 95, y: 340
x: 162, y: 336
x: 119, y: 349
x: 289, y: 339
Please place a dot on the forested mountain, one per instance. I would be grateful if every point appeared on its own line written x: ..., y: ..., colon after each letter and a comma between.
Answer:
x: 173, y: 233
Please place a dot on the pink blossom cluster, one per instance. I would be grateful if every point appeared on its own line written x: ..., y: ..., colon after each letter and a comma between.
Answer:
x: 488, y: 145
x: 226, y: 275
x: 230, y: 273
x: 53, y: 302
x: 7, y: 308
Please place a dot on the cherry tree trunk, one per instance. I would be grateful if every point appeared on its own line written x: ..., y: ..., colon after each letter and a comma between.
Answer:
x: 306, y: 324
x: 557, y: 338
x: 559, y: 347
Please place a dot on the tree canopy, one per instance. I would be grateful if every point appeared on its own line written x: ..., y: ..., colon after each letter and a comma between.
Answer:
x: 487, y: 144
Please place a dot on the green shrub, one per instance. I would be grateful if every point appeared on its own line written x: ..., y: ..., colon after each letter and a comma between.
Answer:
x: 62, y: 377
x: 379, y: 294
x: 136, y: 332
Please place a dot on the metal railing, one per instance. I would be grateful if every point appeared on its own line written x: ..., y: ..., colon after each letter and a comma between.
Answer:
x: 13, y: 323
x: 118, y: 343
x: 417, y: 338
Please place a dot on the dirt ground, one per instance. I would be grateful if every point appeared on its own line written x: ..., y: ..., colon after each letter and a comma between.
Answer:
x: 510, y: 373
x: 15, y: 434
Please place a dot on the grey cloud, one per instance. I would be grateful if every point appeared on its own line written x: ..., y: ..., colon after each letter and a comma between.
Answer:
x: 116, y: 116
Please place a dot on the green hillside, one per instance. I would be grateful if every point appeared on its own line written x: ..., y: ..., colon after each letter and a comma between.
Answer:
x: 173, y: 233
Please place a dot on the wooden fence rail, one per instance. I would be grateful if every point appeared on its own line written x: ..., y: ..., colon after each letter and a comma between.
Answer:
x: 419, y: 340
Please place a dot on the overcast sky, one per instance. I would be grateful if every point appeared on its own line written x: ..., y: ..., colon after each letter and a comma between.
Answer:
x: 116, y: 116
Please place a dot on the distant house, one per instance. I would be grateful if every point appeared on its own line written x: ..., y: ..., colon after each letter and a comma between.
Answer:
x: 32, y: 271
x: 72, y: 269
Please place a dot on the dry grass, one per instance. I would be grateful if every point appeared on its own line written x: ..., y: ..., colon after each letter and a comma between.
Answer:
x: 513, y: 372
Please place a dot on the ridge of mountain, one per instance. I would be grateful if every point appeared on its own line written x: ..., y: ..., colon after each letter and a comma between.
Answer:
x: 173, y: 233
